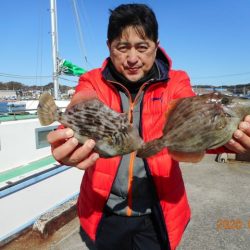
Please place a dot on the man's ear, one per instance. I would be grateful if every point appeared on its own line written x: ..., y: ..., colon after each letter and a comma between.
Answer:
x: 157, y: 44
x: 108, y: 44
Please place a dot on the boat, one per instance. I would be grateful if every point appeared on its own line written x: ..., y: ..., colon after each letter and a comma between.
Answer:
x: 31, y: 180
x: 16, y: 107
x: 12, y: 107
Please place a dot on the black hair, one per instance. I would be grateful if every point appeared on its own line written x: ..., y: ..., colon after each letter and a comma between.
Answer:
x: 139, y: 16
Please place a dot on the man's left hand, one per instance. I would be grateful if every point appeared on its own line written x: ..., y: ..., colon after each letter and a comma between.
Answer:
x: 240, y: 143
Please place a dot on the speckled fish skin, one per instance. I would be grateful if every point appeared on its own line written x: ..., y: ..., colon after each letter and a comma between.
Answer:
x: 111, y: 131
x: 199, y: 123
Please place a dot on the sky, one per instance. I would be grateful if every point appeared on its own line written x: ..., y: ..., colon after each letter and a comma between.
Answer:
x: 210, y: 40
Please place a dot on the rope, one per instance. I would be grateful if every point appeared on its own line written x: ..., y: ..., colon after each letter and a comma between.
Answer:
x: 79, y: 29
x: 39, y: 65
x: 23, y: 76
x: 62, y: 78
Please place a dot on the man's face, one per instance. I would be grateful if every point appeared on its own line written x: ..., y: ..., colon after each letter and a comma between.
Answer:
x: 132, y: 55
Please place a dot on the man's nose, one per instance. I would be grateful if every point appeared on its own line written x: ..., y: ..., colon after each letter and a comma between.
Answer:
x: 132, y: 56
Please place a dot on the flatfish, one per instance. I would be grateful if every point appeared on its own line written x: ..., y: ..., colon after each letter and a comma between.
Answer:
x: 198, y: 123
x: 92, y: 119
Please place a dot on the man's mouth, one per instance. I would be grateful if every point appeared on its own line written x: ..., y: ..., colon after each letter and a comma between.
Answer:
x: 133, y: 70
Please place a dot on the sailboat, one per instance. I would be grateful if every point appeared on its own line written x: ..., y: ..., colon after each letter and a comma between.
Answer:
x: 30, y: 179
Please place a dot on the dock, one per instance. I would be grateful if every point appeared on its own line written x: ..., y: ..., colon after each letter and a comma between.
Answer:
x: 219, y: 198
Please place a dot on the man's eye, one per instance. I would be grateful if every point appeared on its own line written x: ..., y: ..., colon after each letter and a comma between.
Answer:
x: 122, y: 48
x: 142, y: 48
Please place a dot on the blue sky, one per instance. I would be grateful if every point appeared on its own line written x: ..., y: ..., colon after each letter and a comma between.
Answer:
x: 210, y: 40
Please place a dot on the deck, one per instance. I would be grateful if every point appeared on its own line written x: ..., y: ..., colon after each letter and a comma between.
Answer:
x: 219, y: 199
x: 31, y: 190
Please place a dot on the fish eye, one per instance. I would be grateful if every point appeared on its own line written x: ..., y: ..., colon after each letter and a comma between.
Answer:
x: 225, y: 100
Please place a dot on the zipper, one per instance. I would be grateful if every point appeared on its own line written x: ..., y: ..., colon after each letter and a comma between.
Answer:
x: 157, y: 209
x: 133, y: 154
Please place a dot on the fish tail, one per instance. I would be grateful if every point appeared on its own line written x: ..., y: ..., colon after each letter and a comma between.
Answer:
x: 151, y: 148
x: 47, y: 110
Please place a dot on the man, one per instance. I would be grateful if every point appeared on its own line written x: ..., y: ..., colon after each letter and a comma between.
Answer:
x: 127, y: 202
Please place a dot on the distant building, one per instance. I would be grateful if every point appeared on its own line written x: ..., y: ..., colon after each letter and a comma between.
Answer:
x: 201, y: 91
x: 8, y: 94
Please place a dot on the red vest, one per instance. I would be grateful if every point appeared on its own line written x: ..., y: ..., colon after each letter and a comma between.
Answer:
x: 97, y: 180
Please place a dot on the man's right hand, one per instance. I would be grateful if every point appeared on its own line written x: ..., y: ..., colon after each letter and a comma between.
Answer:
x: 66, y: 149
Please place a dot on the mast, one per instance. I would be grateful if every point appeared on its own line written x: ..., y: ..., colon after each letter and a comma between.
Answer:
x: 54, y: 47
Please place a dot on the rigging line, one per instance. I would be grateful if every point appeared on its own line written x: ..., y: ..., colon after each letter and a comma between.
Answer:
x: 39, y: 45
x: 62, y: 78
x: 23, y: 76
x: 78, y: 24
x: 86, y: 20
x: 218, y: 76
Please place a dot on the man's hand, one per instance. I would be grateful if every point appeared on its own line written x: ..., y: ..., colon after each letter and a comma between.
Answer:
x: 240, y: 143
x: 66, y: 149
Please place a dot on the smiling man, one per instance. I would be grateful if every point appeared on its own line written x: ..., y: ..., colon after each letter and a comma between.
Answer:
x: 133, y: 54
x: 128, y: 202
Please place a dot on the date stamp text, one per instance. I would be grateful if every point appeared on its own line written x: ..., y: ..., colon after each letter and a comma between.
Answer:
x: 232, y: 224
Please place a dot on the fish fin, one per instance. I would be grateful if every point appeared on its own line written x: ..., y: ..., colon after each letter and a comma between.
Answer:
x: 124, y: 114
x: 171, y: 106
x: 151, y: 148
x: 47, y: 110
x: 82, y: 96
x: 187, y: 157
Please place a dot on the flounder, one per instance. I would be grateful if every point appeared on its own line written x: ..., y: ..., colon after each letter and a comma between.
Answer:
x: 198, y: 123
x: 92, y: 119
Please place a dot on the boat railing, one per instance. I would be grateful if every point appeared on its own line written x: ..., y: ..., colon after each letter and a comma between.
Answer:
x: 20, y: 114
x: 16, y: 184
